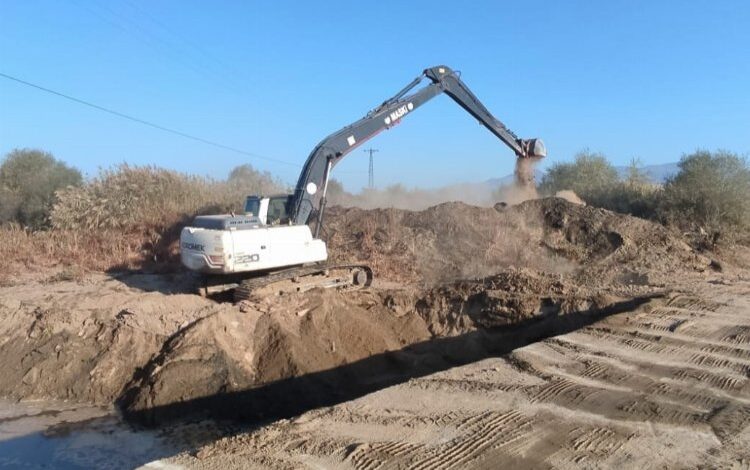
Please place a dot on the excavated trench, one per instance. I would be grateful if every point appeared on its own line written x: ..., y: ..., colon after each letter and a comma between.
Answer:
x: 285, y: 356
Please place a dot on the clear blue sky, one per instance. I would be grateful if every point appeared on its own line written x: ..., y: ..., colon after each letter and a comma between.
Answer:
x: 646, y: 79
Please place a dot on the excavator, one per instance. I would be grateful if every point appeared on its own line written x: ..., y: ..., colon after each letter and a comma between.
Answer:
x: 272, y: 248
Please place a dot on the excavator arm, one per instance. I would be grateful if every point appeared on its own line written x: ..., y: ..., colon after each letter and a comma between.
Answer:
x: 310, y: 193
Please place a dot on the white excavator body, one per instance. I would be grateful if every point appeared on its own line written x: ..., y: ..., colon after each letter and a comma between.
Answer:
x: 258, y: 240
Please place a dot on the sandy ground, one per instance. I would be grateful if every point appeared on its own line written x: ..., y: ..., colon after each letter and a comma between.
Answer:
x: 662, y: 386
x: 547, y: 334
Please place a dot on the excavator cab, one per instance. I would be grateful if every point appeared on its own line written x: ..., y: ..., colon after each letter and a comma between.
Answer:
x: 279, y: 210
x: 270, y: 210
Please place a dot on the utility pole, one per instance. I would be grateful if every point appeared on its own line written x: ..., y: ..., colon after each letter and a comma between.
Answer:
x: 371, y: 174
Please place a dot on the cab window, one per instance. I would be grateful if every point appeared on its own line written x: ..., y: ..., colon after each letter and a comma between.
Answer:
x: 278, y: 210
x: 252, y: 206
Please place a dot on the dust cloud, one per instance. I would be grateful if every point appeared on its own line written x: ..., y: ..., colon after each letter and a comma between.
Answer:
x: 523, y: 187
x: 482, y: 194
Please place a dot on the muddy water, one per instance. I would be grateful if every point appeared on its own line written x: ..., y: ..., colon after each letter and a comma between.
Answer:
x: 65, y: 436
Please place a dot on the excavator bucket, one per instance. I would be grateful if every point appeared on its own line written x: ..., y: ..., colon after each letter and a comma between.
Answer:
x: 535, y: 148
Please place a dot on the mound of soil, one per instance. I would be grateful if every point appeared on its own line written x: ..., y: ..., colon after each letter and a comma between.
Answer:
x: 84, y: 341
x: 313, y: 347
x: 506, y: 299
x: 455, y: 241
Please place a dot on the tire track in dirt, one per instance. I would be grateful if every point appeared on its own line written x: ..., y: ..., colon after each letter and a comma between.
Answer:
x: 481, y: 433
x: 691, y: 303
x: 624, y: 371
x: 606, y: 382
x: 375, y: 456
x: 680, y: 355
x: 662, y: 386
x: 595, y: 442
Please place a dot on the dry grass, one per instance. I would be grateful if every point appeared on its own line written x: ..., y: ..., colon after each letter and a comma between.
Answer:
x: 27, y: 251
x: 126, y: 218
x: 129, y: 197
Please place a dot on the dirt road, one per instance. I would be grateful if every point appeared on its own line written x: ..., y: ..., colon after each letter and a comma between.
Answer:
x: 663, y: 386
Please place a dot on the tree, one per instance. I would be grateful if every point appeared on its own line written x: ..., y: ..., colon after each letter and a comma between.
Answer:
x: 634, y: 175
x: 711, y: 191
x: 29, y: 179
x: 587, y: 176
x: 253, y: 181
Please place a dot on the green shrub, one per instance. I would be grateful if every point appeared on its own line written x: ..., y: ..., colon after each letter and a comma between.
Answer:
x: 710, y: 193
x: 10, y: 202
x: 709, y: 196
x: 588, y: 176
x: 638, y: 199
x: 597, y: 182
x: 635, y: 176
x: 28, y: 181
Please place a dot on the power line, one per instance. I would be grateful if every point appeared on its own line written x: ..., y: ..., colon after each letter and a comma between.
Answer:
x: 146, y: 123
x: 230, y: 71
x: 153, y: 41
x: 371, y: 173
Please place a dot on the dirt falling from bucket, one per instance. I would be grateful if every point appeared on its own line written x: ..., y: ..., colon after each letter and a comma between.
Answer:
x: 524, y: 186
x: 524, y: 174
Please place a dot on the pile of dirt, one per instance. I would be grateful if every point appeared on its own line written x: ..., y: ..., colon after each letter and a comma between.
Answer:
x: 238, y: 351
x: 84, y: 341
x: 443, y: 243
x: 318, y: 346
x: 506, y: 299
x: 102, y: 339
x: 455, y: 241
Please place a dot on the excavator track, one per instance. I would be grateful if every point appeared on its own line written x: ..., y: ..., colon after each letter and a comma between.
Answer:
x: 351, y: 276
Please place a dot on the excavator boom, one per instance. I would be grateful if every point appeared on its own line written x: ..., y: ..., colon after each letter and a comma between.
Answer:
x: 310, y: 193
